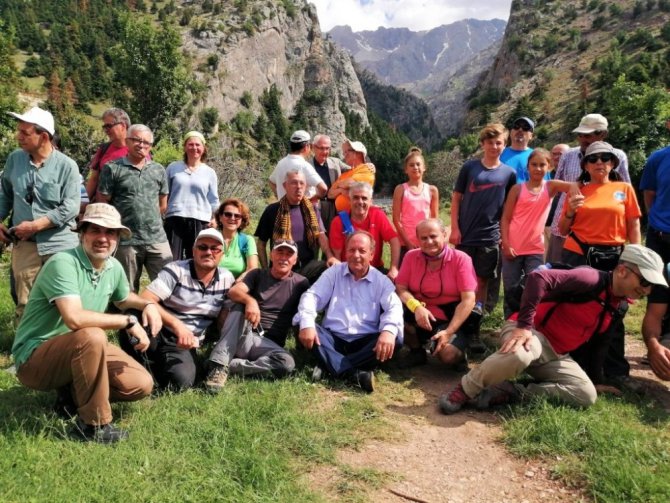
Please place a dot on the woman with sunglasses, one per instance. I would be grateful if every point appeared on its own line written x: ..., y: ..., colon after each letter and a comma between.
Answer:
x: 598, y: 223
x: 193, y: 199
x: 437, y: 285
x: 239, y: 251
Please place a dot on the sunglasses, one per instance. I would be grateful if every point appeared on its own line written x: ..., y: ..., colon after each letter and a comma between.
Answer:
x: 213, y: 249
x: 604, y: 157
x: 523, y: 126
x: 107, y: 127
x: 644, y: 283
x: 231, y: 215
x: 140, y: 141
x: 30, y: 188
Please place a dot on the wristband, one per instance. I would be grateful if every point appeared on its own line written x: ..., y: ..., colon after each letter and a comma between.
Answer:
x: 413, y: 304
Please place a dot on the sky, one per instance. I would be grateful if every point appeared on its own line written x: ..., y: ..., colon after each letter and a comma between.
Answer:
x: 417, y: 15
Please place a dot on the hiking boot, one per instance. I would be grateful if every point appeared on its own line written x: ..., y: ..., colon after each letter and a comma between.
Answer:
x: 453, y: 401
x: 103, y: 434
x: 216, y: 377
x: 499, y: 394
x: 64, y: 406
x: 317, y: 374
x: 476, y: 345
x: 365, y: 379
x: 415, y: 357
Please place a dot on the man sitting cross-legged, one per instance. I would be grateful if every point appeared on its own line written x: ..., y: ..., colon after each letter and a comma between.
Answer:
x: 363, y: 319
x: 254, y: 332
x: 189, y: 295
x: 61, y: 341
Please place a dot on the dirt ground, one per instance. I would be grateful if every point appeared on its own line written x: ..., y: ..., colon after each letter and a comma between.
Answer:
x: 458, y: 458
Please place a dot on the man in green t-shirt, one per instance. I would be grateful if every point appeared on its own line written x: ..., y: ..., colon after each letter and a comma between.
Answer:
x: 61, y: 341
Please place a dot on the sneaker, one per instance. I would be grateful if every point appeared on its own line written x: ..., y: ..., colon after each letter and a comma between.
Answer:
x: 498, y: 394
x: 216, y: 378
x: 103, y: 434
x: 365, y: 379
x: 64, y: 407
x: 415, y: 357
x: 317, y: 374
x: 454, y: 400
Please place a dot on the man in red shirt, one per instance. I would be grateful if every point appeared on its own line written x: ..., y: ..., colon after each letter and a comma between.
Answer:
x: 550, y: 324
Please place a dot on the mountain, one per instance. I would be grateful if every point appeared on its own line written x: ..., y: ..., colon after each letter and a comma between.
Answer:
x: 561, y: 60
x: 424, y: 62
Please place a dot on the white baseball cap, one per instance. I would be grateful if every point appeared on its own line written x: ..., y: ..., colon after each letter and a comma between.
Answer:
x: 38, y: 117
x: 211, y: 233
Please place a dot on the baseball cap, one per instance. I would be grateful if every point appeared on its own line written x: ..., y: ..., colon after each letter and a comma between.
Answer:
x: 300, y: 136
x: 591, y: 123
x: 285, y: 243
x: 38, y: 117
x: 210, y: 233
x: 647, y: 260
x: 357, y: 146
x: 105, y: 215
x: 527, y: 121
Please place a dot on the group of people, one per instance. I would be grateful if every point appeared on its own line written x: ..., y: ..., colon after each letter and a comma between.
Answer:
x: 317, y: 252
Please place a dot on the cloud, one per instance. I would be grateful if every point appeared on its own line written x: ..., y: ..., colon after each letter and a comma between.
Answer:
x: 417, y: 15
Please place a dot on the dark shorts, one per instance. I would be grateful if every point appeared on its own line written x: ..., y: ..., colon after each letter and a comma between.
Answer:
x: 484, y: 259
x: 460, y: 340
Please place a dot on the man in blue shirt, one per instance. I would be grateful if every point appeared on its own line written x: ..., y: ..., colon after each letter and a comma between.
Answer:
x: 363, y: 319
x: 518, y: 152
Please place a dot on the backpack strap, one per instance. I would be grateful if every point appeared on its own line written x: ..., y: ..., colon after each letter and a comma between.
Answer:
x: 243, y: 243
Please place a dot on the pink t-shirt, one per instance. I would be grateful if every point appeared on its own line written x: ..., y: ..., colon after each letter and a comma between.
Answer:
x: 413, y: 209
x: 526, y: 229
x: 111, y: 154
x: 441, y: 286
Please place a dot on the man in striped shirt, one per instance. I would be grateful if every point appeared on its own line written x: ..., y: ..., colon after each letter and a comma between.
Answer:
x: 189, y: 295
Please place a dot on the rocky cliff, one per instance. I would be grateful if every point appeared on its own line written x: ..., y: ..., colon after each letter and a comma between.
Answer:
x: 245, y: 50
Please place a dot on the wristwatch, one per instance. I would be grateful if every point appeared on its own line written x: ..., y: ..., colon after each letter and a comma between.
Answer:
x: 132, y: 321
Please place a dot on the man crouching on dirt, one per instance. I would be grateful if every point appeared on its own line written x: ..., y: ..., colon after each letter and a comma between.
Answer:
x: 61, y: 341
x: 561, y: 310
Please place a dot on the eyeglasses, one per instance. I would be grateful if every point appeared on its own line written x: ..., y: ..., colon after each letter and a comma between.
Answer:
x: 604, y: 157
x: 213, y: 249
x: 231, y: 215
x: 522, y: 125
x: 644, y: 283
x: 140, y: 141
x: 597, y: 132
x: 321, y: 148
x: 107, y: 127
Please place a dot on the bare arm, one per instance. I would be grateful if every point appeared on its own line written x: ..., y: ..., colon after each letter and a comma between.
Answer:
x: 652, y: 328
x: 395, y: 213
x: 648, y: 196
x: 395, y: 258
x: 456, y: 199
x: 262, y: 253
x: 633, y: 231
x: 321, y: 190
x: 240, y: 293
x: 506, y: 219
x: 92, y: 184
x: 162, y: 203
x: 461, y: 313
x: 434, y: 202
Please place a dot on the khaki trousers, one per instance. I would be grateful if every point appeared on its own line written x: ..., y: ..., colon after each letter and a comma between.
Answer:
x: 26, y: 263
x: 154, y: 257
x: 97, y: 370
x: 557, y: 375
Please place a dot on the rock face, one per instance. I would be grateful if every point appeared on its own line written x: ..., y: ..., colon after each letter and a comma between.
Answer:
x: 284, y: 48
x: 441, y: 65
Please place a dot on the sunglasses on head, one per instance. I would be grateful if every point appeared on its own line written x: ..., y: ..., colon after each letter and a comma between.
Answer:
x: 522, y: 125
x: 604, y: 157
x: 231, y: 215
x: 213, y: 249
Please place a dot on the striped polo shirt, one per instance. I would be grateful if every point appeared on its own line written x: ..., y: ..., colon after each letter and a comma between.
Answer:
x: 184, y: 296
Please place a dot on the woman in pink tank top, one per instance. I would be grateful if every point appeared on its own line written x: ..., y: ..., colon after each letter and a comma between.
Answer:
x: 413, y: 201
x: 523, y: 218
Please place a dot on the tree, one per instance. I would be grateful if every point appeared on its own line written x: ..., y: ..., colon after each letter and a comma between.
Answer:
x: 8, y: 89
x: 152, y: 80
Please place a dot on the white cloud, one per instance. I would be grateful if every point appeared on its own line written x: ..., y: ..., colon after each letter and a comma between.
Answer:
x: 416, y: 15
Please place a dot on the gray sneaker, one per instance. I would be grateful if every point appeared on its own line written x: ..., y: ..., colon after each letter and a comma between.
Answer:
x: 216, y: 378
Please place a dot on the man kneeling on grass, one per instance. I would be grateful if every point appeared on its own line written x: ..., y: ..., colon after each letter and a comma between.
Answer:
x: 254, y: 333
x: 363, y: 319
x: 61, y: 341
x: 561, y: 310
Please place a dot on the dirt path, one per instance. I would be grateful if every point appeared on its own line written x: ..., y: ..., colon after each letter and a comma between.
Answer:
x: 457, y: 458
